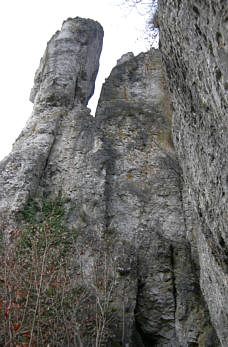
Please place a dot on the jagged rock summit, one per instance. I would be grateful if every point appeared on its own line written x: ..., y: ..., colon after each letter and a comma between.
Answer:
x: 67, y: 72
x: 122, y: 186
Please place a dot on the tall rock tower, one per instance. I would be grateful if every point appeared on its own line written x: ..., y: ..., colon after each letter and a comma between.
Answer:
x: 57, y: 135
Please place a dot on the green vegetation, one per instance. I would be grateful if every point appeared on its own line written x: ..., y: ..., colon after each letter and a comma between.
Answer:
x: 44, y: 219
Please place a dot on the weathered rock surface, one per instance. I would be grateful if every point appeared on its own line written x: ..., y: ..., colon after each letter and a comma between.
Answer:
x: 63, y: 85
x: 121, y: 182
x: 194, y: 45
x: 144, y: 207
x: 67, y: 72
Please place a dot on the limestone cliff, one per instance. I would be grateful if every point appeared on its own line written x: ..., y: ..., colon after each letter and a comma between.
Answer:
x: 144, y: 206
x: 193, y: 40
x: 122, y: 187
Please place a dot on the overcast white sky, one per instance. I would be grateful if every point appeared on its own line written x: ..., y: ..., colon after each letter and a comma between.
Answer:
x: 27, y: 25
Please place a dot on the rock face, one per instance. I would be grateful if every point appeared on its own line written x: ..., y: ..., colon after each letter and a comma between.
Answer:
x: 144, y: 206
x: 122, y: 186
x: 194, y: 44
x: 63, y: 85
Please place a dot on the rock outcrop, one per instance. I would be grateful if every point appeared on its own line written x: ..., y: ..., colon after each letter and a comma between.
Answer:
x: 121, y: 183
x: 144, y: 206
x: 194, y: 41
x: 63, y: 85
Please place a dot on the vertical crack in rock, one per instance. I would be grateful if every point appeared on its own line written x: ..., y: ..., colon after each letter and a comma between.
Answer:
x: 110, y: 158
x: 173, y: 279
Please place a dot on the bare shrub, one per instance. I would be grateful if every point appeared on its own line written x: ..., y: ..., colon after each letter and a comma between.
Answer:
x: 148, y: 10
x: 43, y: 300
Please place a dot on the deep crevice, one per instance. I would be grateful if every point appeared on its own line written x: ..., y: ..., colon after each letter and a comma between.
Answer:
x: 109, y: 166
x: 147, y: 340
x: 172, y: 259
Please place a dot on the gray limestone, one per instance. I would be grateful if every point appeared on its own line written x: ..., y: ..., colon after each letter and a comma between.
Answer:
x: 68, y: 69
x: 194, y: 41
x: 63, y: 85
x: 145, y: 208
